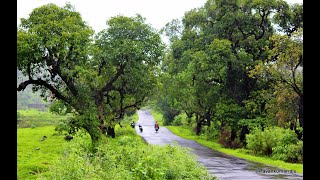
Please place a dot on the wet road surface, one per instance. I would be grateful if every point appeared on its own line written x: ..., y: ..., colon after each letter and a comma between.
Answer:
x: 224, y: 167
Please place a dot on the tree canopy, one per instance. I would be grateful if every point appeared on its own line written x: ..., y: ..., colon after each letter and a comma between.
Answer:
x: 233, y: 63
x: 99, y: 77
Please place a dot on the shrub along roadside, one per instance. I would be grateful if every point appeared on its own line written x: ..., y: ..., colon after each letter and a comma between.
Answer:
x: 277, y: 143
x: 126, y: 157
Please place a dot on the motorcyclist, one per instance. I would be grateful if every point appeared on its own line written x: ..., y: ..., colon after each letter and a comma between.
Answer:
x: 156, y: 126
x: 140, y: 127
x: 132, y: 124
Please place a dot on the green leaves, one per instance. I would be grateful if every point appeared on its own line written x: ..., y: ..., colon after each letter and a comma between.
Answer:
x: 99, y: 80
x: 134, y: 48
x: 51, y: 41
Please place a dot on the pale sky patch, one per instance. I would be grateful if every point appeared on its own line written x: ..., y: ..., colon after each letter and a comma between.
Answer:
x: 97, y: 12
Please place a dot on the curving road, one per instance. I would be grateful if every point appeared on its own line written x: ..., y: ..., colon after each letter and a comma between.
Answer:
x: 223, y: 166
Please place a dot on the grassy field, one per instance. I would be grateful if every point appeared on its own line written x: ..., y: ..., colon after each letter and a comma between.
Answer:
x: 241, y: 153
x: 124, y: 157
x: 34, y: 154
x: 35, y: 117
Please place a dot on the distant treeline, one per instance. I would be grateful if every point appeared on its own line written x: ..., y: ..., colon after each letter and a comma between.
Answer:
x: 27, y: 98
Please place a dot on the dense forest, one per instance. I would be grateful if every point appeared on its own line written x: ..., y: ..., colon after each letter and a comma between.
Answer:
x: 233, y: 71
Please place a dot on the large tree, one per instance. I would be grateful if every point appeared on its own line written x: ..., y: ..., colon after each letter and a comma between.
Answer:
x: 284, y: 70
x: 99, y: 79
x: 212, y: 51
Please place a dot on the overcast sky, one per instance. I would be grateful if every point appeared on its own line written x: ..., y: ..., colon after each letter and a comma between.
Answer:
x: 96, y: 12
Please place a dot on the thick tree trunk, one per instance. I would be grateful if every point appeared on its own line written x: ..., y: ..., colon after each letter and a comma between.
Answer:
x: 100, y: 107
x: 208, y: 117
x: 111, y: 132
x: 244, y: 131
x: 222, y: 126
x: 199, y: 125
x: 299, y: 133
x: 94, y: 134
x: 294, y: 126
x: 301, y: 111
x: 233, y: 134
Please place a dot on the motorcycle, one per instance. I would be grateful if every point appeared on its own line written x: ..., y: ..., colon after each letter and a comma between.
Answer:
x: 132, y: 124
x: 156, y: 126
x: 141, y: 129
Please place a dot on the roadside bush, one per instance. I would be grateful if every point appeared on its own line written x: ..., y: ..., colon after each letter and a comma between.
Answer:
x: 211, y: 132
x: 126, y: 157
x: 292, y: 153
x: 279, y: 143
x: 255, y: 141
x: 262, y: 142
x: 179, y: 120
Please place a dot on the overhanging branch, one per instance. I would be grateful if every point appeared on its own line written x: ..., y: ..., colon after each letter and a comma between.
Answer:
x: 40, y: 82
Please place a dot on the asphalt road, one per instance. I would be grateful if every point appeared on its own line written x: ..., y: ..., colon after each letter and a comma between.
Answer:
x: 223, y: 166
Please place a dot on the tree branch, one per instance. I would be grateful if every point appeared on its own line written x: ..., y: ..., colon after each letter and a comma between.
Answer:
x: 57, y: 70
x: 40, y: 82
x: 109, y: 86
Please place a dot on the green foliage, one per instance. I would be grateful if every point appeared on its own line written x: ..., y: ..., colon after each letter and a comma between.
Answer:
x: 283, y: 69
x: 98, y: 78
x: 229, y: 112
x: 214, y: 49
x: 66, y: 126
x: 180, y: 120
x: 211, y: 132
x: 277, y: 142
x: 126, y: 157
x: 166, y: 106
x: 60, y: 108
x: 289, y: 152
x: 258, y: 122
x: 289, y: 18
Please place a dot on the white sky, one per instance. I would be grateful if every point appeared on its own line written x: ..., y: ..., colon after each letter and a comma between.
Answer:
x: 97, y: 12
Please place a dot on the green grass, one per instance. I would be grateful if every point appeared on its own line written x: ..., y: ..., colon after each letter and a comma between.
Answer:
x: 125, y: 157
x: 35, y: 117
x: 240, y: 153
x: 31, y: 161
